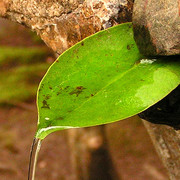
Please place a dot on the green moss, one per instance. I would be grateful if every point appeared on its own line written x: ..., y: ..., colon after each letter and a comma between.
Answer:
x: 21, y: 70
x: 11, y: 56
x: 20, y: 83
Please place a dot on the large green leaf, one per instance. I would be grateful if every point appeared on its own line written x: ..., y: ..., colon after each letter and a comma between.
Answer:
x: 100, y: 80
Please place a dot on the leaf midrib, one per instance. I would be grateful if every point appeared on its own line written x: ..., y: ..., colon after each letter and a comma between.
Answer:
x: 111, y: 82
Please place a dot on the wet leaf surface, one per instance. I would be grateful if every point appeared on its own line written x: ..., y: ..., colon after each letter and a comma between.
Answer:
x: 100, y: 80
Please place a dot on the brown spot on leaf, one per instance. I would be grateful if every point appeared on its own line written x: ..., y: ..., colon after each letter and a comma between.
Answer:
x: 129, y: 46
x: 130, y: 25
x: 47, y: 96
x: 66, y: 87
x: 58, y: 93
x: 75, y: 51
x: 42, y: 86
x: 137, y: 62
x: 45, y: 105
x: 60, y: 118
x: 78, y: 90
x: 79, y: 87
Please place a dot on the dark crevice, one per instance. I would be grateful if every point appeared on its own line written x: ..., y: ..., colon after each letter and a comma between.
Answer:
x: 166, y: 111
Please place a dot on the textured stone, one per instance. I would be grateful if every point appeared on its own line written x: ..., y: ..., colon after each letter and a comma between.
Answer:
x: 62, y: 23
x: 157, y: 27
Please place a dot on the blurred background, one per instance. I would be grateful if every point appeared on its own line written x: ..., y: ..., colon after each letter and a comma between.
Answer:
x: 24, y: 59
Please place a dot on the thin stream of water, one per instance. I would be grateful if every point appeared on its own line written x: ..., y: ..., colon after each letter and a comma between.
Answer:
x: 36, y: 145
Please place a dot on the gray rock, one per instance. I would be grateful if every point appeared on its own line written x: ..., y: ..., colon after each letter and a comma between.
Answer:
x: 156, y: 26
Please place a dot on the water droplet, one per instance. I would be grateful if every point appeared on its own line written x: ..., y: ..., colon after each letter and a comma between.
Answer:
x: 147, y: 61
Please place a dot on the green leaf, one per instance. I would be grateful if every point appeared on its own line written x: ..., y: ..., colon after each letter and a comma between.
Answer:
x: 100, y: 80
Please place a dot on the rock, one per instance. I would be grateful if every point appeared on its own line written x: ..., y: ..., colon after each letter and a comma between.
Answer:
x: 166, y: 111
x: 156, y: 26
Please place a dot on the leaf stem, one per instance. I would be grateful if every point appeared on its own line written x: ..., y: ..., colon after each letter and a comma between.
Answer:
x: 34, y: 158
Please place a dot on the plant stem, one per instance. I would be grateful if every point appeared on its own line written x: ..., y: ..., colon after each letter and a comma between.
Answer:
x: 33, y: 158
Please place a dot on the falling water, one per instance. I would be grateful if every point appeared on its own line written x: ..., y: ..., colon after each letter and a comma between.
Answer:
x: 36, y: 145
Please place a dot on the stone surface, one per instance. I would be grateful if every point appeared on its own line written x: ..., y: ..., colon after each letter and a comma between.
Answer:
x: 167, y: 144
x: 61, y: 24
x: 157, y: 27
